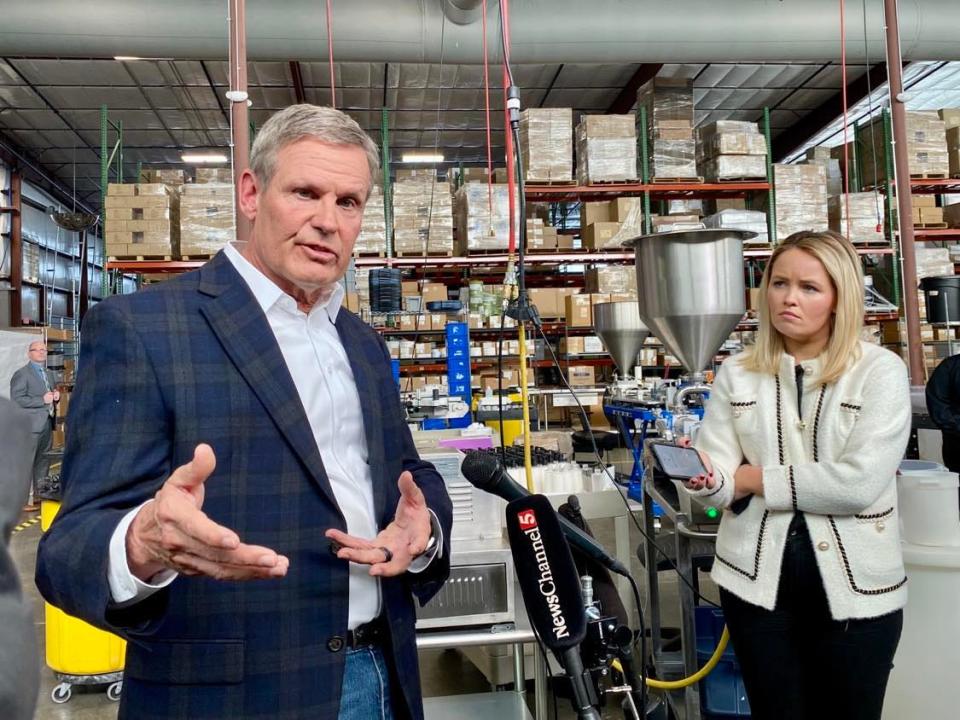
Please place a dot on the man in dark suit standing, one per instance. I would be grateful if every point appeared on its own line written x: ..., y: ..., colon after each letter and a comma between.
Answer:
x: 243, y: 499
x: 33, y: 389
x: 19, y: 665
x: 943, y: 404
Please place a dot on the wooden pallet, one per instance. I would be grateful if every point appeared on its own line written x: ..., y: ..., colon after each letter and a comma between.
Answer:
x: 380, y: 254
x: 929, y: 176
x: 594, y: 183
x: 871, y: 245
x: 432, y: 253
x: 203, y: 256
x: 930, y: 226
x: 738, y: 179
x: 675, y: 180
x: 551, y: 183
x: 122, y: 258
x: 489, y: 251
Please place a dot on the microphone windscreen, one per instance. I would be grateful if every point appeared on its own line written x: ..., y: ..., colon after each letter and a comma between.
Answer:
x: 480, y: 469
x: 546, y: 573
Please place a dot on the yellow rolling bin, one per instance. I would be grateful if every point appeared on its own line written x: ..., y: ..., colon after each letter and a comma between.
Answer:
x: 77, y: 652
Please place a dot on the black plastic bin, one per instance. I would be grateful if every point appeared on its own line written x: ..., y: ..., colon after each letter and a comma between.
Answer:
x: 943, y: 299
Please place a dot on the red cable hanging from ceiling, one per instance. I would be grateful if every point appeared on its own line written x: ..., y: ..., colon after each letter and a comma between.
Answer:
x: 843, y: 95
x: 333, y: 87
x: 486, y: 95
x: 508, y: 135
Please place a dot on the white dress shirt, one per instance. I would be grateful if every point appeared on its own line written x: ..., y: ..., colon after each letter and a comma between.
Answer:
x: 321, y: 372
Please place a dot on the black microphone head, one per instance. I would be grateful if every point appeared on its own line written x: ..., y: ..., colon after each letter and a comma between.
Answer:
x: 548, y: 578
x: 480, y: 469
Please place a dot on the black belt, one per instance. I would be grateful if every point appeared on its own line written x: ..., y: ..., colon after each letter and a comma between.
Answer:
x: 371, y: 633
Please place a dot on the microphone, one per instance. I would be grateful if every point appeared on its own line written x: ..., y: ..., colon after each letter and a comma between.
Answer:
x: 484, y: 472
x: 551, y: 591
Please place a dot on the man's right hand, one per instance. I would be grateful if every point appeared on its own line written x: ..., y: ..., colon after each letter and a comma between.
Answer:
x: 47, y: 398
x: 171, y: 532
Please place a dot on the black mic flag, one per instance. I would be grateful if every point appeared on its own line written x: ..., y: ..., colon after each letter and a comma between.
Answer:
x: 546, y: 573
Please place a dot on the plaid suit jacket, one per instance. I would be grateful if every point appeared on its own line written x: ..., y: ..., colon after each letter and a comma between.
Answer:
x: 194, y: 360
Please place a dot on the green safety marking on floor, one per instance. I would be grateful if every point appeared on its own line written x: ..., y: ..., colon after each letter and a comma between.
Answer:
x: 26, y: 524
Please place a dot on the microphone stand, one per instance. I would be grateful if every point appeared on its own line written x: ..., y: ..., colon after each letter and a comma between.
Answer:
x: 584, y: 695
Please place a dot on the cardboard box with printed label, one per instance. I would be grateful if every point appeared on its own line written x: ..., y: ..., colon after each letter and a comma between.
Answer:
x: 581, y: 376
x: 578, y: 311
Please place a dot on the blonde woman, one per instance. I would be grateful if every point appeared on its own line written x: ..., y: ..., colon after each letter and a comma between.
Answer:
x: 802, y: 438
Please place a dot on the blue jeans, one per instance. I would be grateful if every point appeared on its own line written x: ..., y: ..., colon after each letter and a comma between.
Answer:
x: 365, y: 694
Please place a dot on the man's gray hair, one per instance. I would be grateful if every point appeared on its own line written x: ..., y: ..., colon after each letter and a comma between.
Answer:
x: 297, y: 122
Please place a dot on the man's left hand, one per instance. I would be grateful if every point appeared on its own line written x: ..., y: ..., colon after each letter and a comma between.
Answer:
x: 397, y: 545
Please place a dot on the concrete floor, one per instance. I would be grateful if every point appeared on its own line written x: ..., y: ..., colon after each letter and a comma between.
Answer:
x: 443, y: 672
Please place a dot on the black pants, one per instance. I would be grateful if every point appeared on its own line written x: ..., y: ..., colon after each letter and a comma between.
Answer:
x: 41, y: 463
x: 800, y: 664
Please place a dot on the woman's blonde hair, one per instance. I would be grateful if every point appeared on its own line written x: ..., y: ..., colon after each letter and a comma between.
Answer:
x: 840, y: 260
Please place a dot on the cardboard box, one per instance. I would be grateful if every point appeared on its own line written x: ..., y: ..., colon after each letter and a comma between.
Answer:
x: 612, y: 279
x: 571, y: 345
x: 352, y: 301
x: 433, y: 292
x: 581, y: 376
x: 951, y: 215
x: 565, y: 242
x: 597, y: 298
x: 579, y: 311
x: 919, y: 201
x: 597, y: 236
x: 620, y: 208
x: 753, y: 298
x: 931, y: 216
x: 593, y: 212
x: 950, y: 117
x: 549, y: 302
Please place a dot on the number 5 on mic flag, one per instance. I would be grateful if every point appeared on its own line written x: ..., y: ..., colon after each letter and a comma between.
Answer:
x: 546, y: 573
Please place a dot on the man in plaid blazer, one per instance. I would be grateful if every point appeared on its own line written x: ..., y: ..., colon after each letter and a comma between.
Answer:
x: 243, y: 499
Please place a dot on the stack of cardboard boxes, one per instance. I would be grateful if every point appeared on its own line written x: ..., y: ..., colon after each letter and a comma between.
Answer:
x: 422, y: 214
x: 753, y: 221
x: 833, y: 161
x: 926, y: 147
x: 732, y: 150
x: 865, y: 223
x: 482, y: 217
x: 606, y: 224
x: 668, y: 104
x: 801, y: 199
x: 372, y: 239
x: 606, y: 149
x: 142, y: 219
x: 207, y: 221
x: 926, y: 214
x: 546, y: 141
x: 951, y: 122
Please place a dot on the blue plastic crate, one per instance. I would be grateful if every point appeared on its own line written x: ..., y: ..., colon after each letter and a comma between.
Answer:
x: 722, y: 693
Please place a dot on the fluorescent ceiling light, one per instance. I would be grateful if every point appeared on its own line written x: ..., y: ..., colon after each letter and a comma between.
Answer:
x: 204, y: 158
x: 126, y: 58
x: 422, y: 158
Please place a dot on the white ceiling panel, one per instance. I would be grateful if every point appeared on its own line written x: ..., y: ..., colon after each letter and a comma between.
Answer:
x: 807, y: 98
x: 202, y: 97
x: 729, y: 99
x: 594, y: 76
x: 268, y: 73
x: 583, y: 98
x: 92, y: 97
x: 19, y: 96
x: 72, y: 72
x: 44, y: 119
x: 525, y: 76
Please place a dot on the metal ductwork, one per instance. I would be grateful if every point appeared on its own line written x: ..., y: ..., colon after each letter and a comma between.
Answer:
x: 542, y: 31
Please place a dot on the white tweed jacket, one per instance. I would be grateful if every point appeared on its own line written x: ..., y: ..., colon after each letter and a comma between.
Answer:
x: 837, y: 464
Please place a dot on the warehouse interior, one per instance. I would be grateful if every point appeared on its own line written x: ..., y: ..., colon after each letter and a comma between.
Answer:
x: 721, y: 127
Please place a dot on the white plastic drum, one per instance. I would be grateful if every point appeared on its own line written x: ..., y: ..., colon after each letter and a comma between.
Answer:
x: 929, y: 506
x: 925, y: 666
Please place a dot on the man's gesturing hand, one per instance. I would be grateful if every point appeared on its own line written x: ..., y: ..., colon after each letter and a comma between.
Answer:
x: 395, y: 547
x: 172, y: 532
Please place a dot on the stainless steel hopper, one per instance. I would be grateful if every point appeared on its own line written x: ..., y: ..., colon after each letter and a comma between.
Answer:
x: 691, y: 290
x: 619, y: 326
